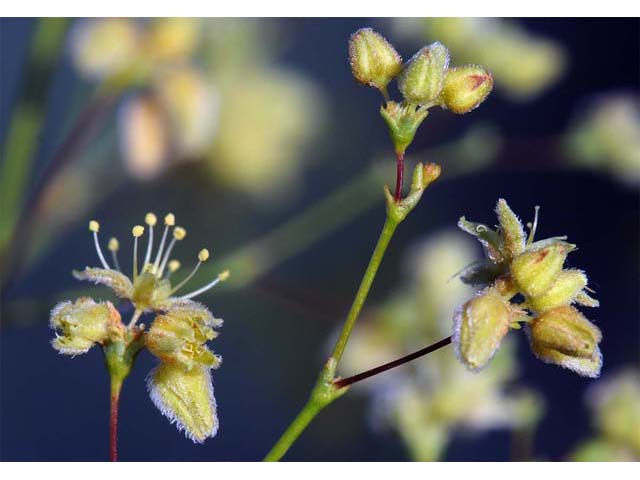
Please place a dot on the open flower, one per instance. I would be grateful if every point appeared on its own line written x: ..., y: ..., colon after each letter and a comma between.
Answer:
x: 515, y: 264
x: 181, y: 385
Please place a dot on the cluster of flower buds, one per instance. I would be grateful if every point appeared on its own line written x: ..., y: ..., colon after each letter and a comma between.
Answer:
x: 181, y: 385
x: 515, y: 264
x: 424, y: 81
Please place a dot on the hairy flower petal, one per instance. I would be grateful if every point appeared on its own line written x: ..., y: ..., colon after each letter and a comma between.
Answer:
x: 186, y: 399
x: 113, y: 279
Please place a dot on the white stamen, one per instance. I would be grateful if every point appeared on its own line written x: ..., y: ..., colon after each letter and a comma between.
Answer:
x: 114, y: 256
x: 135, y: 258
x: 166, y: 257
x: 223, y: 276
x: 104, y: 262
x: 189, y: 277
x: 532, y: 232
x: 160, y: 248
x: 147, y: 256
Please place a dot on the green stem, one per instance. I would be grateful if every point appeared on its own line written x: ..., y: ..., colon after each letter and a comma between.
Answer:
x: 325, y: 391
x: 322, y: 395
x: 388, y: 230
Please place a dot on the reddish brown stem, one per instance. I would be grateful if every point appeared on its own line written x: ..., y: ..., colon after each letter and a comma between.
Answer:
x: 399, y: 176
x: 395, y: 363
x: 113, y: 425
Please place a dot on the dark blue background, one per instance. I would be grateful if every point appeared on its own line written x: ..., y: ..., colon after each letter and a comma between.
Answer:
x: 55, y: 408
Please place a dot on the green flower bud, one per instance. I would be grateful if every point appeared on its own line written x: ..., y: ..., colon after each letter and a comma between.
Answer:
x: 565, y: 289
x: 81, y: 324
x: 513, y: 236
x: 479, y: 326
x: 180, y: 341
x: 423, y: 76
x: 465, y: 88
x: 373, y: 59
x: 534, y: 271
x: 563, y: 336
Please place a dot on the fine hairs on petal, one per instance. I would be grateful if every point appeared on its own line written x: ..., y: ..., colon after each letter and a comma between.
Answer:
x: 182, y: 305
x: 161, y: 404
x: 113, y: 279
x: 55, y: 311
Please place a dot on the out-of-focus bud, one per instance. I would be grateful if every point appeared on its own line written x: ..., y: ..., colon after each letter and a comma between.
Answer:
x: 81, y: 324
x: 479, y: 326
x: 192, y: 103
x: 615, y: 401
x: 465, y: 88
x: 172, y: 39
x: 104, y: 46
x: 511, y: 230
x: 423, y: 76
x: 373, y: 59
x: 143, y: 137
x: 563, y: 336
x: 565, y: 289
x: 185, y: 398
x: 534, y: 271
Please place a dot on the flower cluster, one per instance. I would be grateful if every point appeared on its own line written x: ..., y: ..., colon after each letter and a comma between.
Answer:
x: 517, y: 265
x: 181, y: 385
x: 425, y: 81
x: 428, y: 402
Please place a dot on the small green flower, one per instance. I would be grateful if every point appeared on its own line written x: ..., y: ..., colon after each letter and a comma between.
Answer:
x: 558, y: 332
x: 181, y: 385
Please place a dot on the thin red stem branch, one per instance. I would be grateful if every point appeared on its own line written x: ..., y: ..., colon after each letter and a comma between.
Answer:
x: 399, y: 176
x: 113, y: 426
x: 395, y: 363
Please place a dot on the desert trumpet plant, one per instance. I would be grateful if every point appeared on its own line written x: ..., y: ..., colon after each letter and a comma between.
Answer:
x: 180, y: 386
x: 515, y: 264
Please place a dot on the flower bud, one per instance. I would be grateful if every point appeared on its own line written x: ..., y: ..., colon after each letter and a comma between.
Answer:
x: 373, y: 59
x: 563, y: 336
x: 566, y: 287
x: 423, y: 76
x: 511, y: 229
x: 465, y: 88
x: 534, y: 271
x: 185, y: 398
x: 479, y: 326
x: 81, y: 324
x: 180, y: 340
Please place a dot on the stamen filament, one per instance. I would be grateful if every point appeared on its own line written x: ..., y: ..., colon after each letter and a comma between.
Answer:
x: 137, y: 231
x: 220, y: 278
x: 99, y: 250
x: 160, y: 248
x: 147, y: 256
x: 189, y: 277
x: 166, y: 257
x: 135, y: 258
x: 532, y: 231
x: 114, y: 256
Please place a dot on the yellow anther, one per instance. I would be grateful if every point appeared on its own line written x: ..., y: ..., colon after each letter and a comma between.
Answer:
x: 203, y: 256
x: 150, y: 219
x: 137, y: 231
x: 174, y: 265
x: 94, y: 226
x: 224, y: 275
x: 114, y: 245
x: 170, y: 219
x: 179, y: 233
